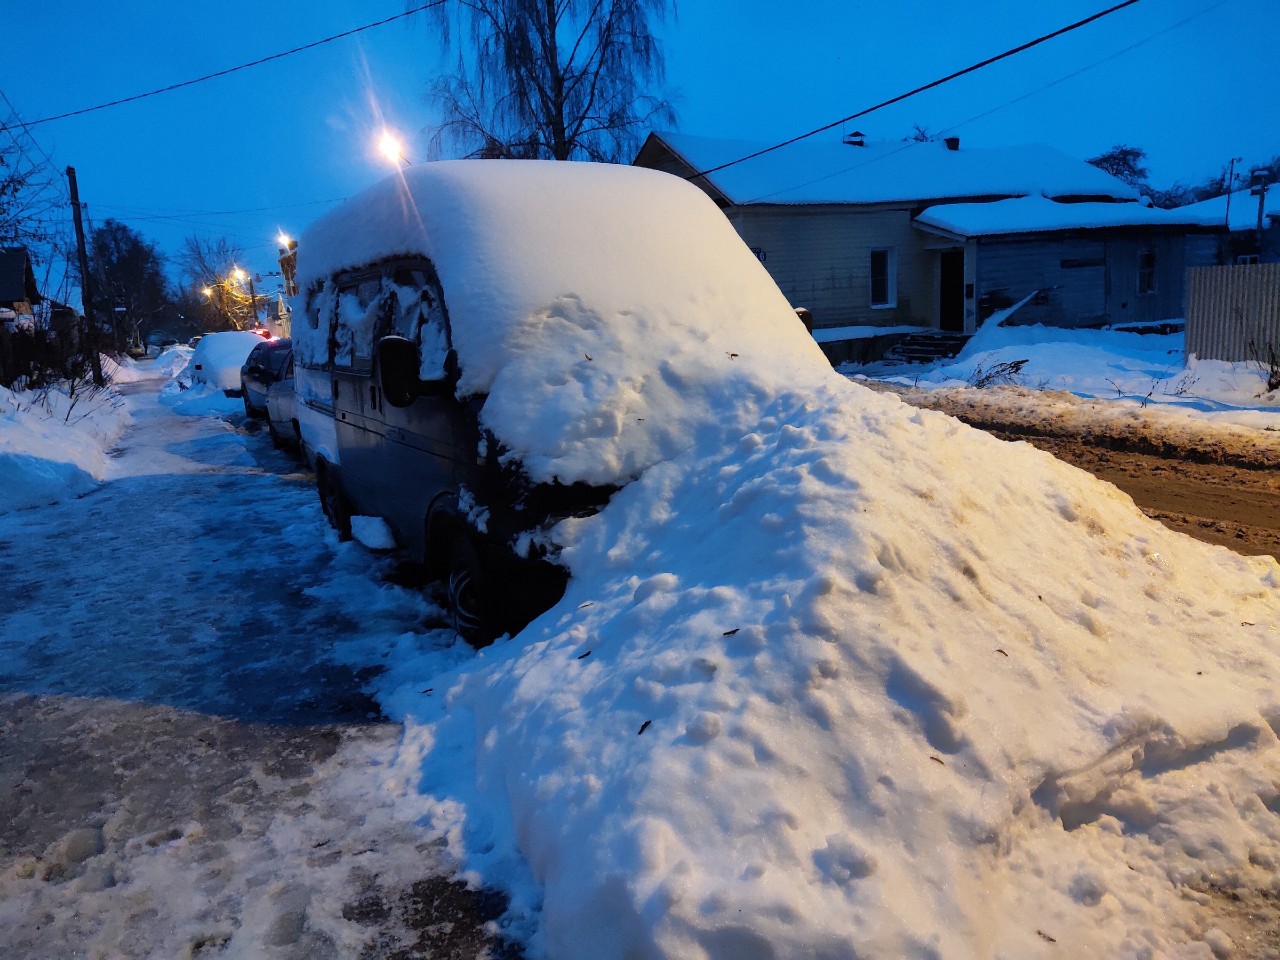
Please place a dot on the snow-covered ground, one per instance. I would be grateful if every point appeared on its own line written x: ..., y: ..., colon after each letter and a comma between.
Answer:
x: 1134, y: 377
x: 185, y: 771
x: 833, y: 676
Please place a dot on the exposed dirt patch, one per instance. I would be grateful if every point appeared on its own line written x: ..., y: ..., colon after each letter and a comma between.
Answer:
x: 1222, y: 489
x: 1230, y: 506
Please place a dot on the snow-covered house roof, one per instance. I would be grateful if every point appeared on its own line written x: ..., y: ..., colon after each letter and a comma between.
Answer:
x: 1244, y: 210
x: 1037, y: 214
x: 17, y: 279
x: 826, y: 172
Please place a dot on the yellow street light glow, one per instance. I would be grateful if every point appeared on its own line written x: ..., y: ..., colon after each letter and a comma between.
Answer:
x: 391, y: 147
x: 283, y: 238
x: 238, y: 274
x: 208, y: 291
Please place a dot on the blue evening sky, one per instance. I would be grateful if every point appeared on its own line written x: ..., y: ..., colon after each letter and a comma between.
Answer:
x: 1194, y: 82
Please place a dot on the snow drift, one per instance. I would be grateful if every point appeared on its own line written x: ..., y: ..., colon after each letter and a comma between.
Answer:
x: 833, y: 677
x: 54, y: 442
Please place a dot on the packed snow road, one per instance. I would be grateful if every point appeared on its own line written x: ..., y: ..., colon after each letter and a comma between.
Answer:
x: 183, y: 773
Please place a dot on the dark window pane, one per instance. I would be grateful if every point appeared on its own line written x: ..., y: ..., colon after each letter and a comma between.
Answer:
x: 879, y: 277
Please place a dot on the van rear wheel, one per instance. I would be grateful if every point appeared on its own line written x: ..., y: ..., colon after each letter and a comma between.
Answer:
x: 469, y: 602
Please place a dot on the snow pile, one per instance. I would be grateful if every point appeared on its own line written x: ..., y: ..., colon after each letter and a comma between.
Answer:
x: 589, y: 301
x: 218, y: 357
x: 866, y: 682
x: 1143, y: 374
x: 833, y: 676
x: 203, y: 392
x: 53, y: 445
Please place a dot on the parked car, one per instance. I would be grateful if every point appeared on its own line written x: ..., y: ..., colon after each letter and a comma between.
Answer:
x: 218, y: 357
x: 282, y: 409
x: 487, y: 349
x: 264, y: 366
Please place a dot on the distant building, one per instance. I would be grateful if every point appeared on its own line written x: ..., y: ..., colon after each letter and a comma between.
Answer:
x: 18, y: 292
x: 925, y: 236
x: 1236, y: 238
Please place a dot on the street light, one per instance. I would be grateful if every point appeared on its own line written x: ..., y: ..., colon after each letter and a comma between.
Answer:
x: 236, y: 276
x: 391, y: 148
x: 288, y: 263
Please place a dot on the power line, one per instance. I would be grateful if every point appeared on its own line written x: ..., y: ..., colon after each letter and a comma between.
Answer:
x: 236, y: 69
x: 145, y: 213
x: 918, y: 90
x: 1008, y: 103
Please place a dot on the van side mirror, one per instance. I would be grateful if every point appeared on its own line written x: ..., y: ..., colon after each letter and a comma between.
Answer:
x: 397, y: 360
x: 398, y: 366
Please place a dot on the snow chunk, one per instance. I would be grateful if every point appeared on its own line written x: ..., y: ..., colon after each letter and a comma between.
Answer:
x: 373, y: 532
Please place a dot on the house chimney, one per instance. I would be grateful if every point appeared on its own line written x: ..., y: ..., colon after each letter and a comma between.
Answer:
x: 953, y: 143
x: 856, y: 139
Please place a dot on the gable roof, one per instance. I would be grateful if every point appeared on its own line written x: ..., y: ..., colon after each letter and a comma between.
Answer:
x: 1244, y: 209
x: 17, y: 279
x: 1037, y: 214
x: 825, y: 172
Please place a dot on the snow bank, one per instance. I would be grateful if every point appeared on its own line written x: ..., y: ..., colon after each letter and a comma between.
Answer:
x: 592, y: 303
x: 833, y: 676
x: 1139, y: 372
x: 53, y: 446
x: 863, y: 681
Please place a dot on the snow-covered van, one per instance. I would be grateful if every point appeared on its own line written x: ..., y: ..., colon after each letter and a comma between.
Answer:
x: 486, y: 348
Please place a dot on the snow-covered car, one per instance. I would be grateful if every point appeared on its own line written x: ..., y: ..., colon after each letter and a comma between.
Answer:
x: 218, y: 358
x: 263, y: 367
x: 282, y: 409
x: 435, y: 330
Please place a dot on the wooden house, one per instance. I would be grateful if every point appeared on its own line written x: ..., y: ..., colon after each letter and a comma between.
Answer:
x: 905, y: 237
x: 18, y: 292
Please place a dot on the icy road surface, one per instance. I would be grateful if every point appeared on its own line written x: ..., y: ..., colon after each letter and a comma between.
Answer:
x: 183, y: 772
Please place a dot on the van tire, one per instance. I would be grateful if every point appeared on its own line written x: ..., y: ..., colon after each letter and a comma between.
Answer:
x: 332, y: 502
x: 277, y: 440
x: 467, y: 588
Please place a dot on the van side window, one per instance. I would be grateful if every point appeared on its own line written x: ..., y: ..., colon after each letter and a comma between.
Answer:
x: 359, y: 304
x: 421, y: 318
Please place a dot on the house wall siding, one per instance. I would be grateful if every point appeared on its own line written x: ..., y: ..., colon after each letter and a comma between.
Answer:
x: 820, y: 257
x: 1082, y: 281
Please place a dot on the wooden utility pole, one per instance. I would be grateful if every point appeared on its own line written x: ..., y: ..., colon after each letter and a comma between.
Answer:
x: 86, y: 292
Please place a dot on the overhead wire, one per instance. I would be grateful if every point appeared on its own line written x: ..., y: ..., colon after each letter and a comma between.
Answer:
x: 908, y: 145
x: 243, y: 66
x: 1013, y: 51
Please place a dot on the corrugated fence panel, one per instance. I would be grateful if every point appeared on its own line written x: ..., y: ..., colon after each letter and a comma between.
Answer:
x: 1233, y: 313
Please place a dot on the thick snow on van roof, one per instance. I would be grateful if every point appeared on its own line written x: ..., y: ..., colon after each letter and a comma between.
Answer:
x: 594, y: 303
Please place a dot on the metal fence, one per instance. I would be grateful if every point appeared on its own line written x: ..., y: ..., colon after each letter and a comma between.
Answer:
x: 1233, y: 313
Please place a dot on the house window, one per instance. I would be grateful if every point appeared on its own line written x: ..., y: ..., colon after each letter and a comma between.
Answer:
x: 1246, y: 258
x: 1146, y: 270
x: 884, y: 278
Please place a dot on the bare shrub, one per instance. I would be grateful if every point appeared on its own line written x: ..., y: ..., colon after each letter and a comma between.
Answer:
x: 1000, y: 374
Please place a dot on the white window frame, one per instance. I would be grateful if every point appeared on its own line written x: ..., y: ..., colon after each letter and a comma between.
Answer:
x: 891, y: 256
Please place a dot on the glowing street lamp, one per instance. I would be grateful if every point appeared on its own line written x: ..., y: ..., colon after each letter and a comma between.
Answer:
x: 391, y: 148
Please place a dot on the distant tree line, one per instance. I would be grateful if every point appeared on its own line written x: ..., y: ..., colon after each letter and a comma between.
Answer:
x: 1129, y: 163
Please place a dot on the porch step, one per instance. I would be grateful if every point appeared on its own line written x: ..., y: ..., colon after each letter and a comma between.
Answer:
x: 927, y: 347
